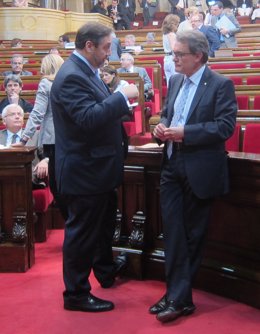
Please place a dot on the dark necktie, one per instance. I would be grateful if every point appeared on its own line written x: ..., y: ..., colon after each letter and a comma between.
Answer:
x: 14, y: 137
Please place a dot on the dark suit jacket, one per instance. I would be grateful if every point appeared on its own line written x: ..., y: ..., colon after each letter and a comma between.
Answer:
x: 99, y: 10
x: 130, y: 11
x: 211, y: 120
x: 89, y: 143
x: 212, y: 37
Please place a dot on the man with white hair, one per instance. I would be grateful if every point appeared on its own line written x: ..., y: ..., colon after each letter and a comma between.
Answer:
x: 127, y: 66
x: 13, y: 119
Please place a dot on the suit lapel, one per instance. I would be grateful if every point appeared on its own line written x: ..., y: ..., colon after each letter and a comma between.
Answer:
x: 86, y: 69
x: 174, y: 92
x: 201, y: 90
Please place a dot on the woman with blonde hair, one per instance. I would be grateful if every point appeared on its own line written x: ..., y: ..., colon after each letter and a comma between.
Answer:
x: 41, y: 116
x: 169, y: 27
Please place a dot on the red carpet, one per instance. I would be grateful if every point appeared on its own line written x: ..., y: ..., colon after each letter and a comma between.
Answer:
x: 31, y: 303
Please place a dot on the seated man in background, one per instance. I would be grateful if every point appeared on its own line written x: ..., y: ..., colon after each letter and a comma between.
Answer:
x: 127, y: 66
x: 13, y: 119
x: 63, y: 40
x: 17, y: 63
x: 16, y: 43
x: 130, y: 46
x: 13, y: 87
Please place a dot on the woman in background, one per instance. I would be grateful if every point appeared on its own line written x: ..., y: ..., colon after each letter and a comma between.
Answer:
x: 41, y: 116
x: 112, y: 79
x: 169, y: 27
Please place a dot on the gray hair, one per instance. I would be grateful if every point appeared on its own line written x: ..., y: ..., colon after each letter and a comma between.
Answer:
x: 129, y: 56
x: 5, y: 110
x: 14, y: 78
x: 196, y: 41
x: 16, y: 55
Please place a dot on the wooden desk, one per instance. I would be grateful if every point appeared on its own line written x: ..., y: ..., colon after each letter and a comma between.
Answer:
x: 231, y: 266
x: 16, y: 210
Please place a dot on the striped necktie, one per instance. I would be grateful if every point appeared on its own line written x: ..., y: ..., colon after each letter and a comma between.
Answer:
x: 179, y: 108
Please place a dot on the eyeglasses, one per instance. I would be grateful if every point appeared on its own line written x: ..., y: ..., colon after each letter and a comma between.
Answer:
x: 16, y: 63
x: 181, y: 54
x: 13, y: 114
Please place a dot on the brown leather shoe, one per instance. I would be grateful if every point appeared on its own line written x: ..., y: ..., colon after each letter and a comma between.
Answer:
x: 172, y: 312
x: 159, y: 306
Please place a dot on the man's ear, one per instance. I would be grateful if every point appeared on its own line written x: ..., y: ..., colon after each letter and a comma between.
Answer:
x: 4, y: 122
x: 89, y: 46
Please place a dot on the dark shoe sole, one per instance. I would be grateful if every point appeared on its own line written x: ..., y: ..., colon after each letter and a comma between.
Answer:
x: 173, y: 316
x: 88, y: 309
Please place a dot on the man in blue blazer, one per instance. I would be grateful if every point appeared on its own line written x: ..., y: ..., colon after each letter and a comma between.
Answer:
x: 198, y: 117
x: 210, y: 33
x: 90, y: 150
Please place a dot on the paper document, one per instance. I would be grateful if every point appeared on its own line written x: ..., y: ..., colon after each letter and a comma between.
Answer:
x: 224, y: 22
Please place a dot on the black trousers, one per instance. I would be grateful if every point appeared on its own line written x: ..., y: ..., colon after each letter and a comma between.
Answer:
x: 185, y: 221
x: 89, y: 232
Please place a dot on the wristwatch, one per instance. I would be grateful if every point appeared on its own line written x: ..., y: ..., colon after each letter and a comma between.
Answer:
x: 23, y: 141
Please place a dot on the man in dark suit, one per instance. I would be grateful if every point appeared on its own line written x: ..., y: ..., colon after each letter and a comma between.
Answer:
x: 149, y: 9
x: 210, y: 33
x: 100, y: 7
x: 118, y: 15
x: 177, y: 8
x: 198, y: 117
x: 129, y: 7
x: 90, y: 150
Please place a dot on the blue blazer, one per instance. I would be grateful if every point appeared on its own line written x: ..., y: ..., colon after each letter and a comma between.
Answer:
x: 89, y: 136
x: 211, y: 120
x: 212, y: 37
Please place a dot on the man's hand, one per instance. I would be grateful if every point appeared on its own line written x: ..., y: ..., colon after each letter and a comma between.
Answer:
x: 13, y: 98
x: 41, y: 169
x: 175, y: 133
x: 130, y: 91
x: 158, y: 131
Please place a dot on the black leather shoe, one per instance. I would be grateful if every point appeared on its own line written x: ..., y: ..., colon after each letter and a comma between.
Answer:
x: 172, y: 312
x: 108, y: 283
x: 90, y: 304
x: 159, y: 306
x: 121, y: 262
